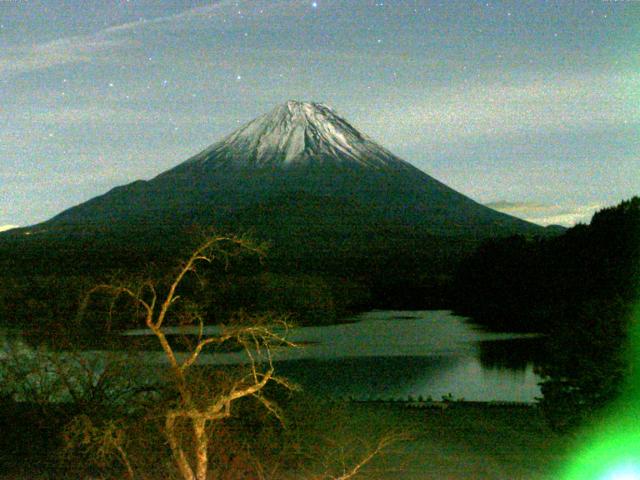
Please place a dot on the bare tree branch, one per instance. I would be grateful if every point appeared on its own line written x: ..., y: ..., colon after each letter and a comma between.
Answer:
x: 382, y: 444
x: 258, y: 336
x: 193, y: 356
x: 254, y: 339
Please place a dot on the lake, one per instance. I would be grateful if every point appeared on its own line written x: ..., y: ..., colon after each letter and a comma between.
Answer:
x: 402, y: 354
x: 391, y: 355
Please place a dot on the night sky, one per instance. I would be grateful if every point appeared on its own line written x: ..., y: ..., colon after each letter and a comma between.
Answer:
x: 531, y: 107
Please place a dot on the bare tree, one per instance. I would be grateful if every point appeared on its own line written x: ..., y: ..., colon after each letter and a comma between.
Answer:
x: 188, y: 423
x: 191, y: 455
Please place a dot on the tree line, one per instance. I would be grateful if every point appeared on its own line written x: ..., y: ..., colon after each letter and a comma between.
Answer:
x: 579, y: 289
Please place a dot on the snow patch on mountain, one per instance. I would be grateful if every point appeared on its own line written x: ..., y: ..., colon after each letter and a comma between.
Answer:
x: 298, y: 133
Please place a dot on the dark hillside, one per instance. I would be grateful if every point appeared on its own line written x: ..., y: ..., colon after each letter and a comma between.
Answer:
x: 329, y: 200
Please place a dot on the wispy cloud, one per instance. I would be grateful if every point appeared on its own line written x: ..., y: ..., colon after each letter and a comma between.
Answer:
x: 517, y: 207
x: 78, y: 49
x: 543, y: 214
x: 501, y: 108
x: 196, y: 12
x: 105, y: 42
x: 81, y: 48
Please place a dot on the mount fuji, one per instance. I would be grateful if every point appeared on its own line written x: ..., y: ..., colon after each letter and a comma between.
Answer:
x: 295, y: 152
x: 301, y: 177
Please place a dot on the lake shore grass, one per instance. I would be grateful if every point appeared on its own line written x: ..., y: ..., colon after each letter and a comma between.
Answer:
x: 460, y: 440
x: 469, y: 440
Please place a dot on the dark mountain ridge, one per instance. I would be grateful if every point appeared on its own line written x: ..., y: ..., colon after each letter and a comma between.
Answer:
x: 300, y: 176
x: 297, y: 148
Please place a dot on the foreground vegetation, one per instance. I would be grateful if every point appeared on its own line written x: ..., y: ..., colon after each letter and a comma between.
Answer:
x: 193, y: 422
x: 579, y: 289
x: 115, y: 417
x: 464, y: 441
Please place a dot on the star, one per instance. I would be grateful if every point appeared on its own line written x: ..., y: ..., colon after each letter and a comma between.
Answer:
x: 314, y: 4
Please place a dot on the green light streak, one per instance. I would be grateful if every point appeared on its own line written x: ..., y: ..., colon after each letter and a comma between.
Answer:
x: 611, y: 447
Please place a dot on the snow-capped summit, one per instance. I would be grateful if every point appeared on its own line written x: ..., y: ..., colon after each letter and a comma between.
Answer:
x: 298, y: 173
x: 298, y: 133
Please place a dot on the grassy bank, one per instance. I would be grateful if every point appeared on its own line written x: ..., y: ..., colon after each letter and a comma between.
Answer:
x: 471, y: 441
x: 461, y: 441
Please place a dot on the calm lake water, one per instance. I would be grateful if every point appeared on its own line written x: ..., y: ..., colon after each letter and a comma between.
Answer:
x: 397, y: 355
x: 392, y: 355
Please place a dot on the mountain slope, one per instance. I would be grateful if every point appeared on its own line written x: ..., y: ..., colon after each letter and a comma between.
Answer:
x: 330, y: 200
x: 302, y: 153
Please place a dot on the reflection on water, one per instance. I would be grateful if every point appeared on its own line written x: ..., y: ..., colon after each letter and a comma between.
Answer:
x: 364, y: 377
x: 511, y: 354
x: 394, y: 355
x: 470, y: 380
x: 390, y: 378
